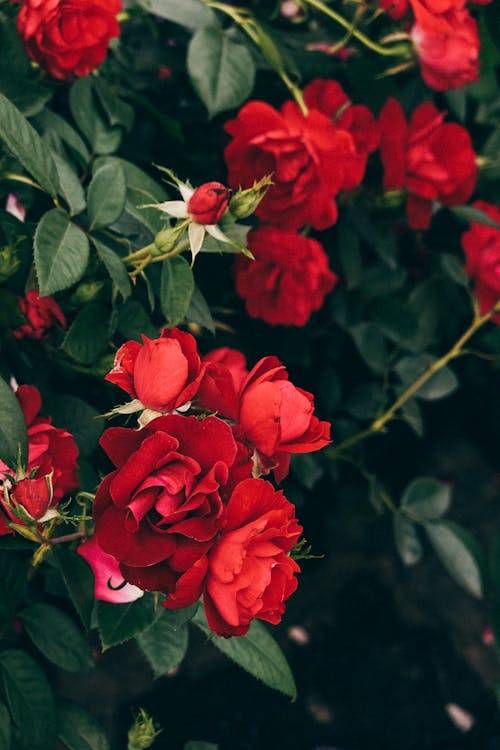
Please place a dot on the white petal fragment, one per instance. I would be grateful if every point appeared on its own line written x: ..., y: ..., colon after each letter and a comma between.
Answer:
x: 185, y: 191
x: 178, y: 209
x: 196, y: 233
x: 214, y: 231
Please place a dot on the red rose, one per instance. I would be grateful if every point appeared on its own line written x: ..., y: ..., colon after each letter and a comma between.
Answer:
x: 234, y: 360
x: 41, y: 314
x: 208, y: 203
x: 250, y: 574
x: 159, y: 512
x: 34, y: 496
x: 310, y: 158
x: 447, y: 46
x: 50, y: 449
x: 109, y: 584
x: 396, y: 9
x: 68, y: 37
x: 163, y: 373
x: 481, y: 245
x: 430, y: 160
x: 288, y: 279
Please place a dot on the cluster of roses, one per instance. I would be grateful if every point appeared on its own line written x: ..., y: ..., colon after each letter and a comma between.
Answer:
x: 184, y: 512
x: 445, y: 37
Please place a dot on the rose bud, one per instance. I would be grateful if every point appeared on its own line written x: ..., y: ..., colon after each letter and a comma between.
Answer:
x: 33, y: 498
x: 244, y: 202
x: 208, y: 203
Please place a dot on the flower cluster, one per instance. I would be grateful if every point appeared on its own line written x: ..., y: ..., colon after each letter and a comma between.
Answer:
x: 184, y: 512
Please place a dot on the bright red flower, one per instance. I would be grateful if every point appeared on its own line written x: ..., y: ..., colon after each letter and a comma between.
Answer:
x: 481, y: 245
x: 429, y: 159
x: 310, y: 157
x: 159, y: 512
x: 250, y: 574
x: 447, y: 46
x: 234, y: 360
x: 287, y: 281
x: 34, y: 495
x: 208, y: 203
x: 68, y: 37
x: 109, y: 584
x: 41, y: 314
x: 396, y: 9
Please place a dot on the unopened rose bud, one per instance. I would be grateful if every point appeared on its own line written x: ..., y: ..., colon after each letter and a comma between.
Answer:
x: 143, y: 732
x: 32, y: 499
x: 208, y: 203
x: 9, y: 262
x: 244, y: 202
x: 168, y: 238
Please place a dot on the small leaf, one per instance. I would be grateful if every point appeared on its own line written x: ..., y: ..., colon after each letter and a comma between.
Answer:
x: 106, y: 196
x: 412, y: 414
x: 85, y: 110
x: 454, y: 269
x: 426, y: 499
x: 79, y: 581
x: 120, y: 622
x: 78, y: 730
x: 164, y: 644
x: 57, y: 637
x: 193, y: 14
x: 460, y: 554
x: 25, y: 143
x: 199, y: 311
x: 13, y: 434
x: 443, y: 383
x: 177, y: 286
x: 474, y: 215
x: 115, y: 267
x: 61, y: 252
x: 406, y: 538
x: 221, y: 71
x: 257, y: 652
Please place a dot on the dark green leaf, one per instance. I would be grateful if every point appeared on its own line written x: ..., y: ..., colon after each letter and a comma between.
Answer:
x: 164, y: 644
x: 120, y: 622
x: 117, y: 111
x: 460, y: 554
x: 412, y: 414
x: 475, y: 215
x: 371, y: 344
x: 457, y: 101
x: 406, y: 538
x: 25, y: 143
x: 5, y: 729
x: 106, y: 196
x: 193, y: 14
x: 82, y: 420
x: 57, y: 637
x: 70, y: 187
x: 366, y: 400
x: 426, y: 499
x: 396, y: 319
x: 61, y: 252
x: 13, y: 435
x: 379, y: 280
x: 52, y: 122
x: 177, y: 286
x: 78, y: 730
x: 89, y: 334
x: 29, y: 97
x: 257, y: 652
x: 200, y: 745
x: 494, y: 560
x: 14, y: 576
x: 85, y: 110
x: 221, y: 71
x: 454, y: 269
x: 199, y: 311
x: 79, y: 581
x: 133, y: 320
x: 30, y: 700
x: 349, y: 254
x: 115, y: 267
x: 307, y: 468
x: 439, y: 385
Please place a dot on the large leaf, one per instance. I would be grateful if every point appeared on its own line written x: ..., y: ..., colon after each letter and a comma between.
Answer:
x: 88, y: 335
x: 257, y: 652
x: 199, y: 311
x: 79, y: 581
x: 120, y: 622
x: 106, y: 196
x: 78, y: 730
x: 25, y: 143
x: 193, y: 14
x: 460, y: 554
x: 426, y: 499
x: 82, y: 420
x: 61, y: 252
x: 57, y: 636
x: 164, y: 643
x: 13, y: 435
x: 85, y: 109
x: 221, y: 71
x: 70, y: 186
x: 133, y: 321
x: 30, y: 700
x: 177, y: 286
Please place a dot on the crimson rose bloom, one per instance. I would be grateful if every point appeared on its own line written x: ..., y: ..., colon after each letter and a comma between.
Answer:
x: 310, y: 158
x: 68, y: 37
x: 250, y: 574
x: 430, y: 160
x: 163, y: 373
x: 41, y: 314
x: 288, y: 279
x: 208, y: 203
x: 481, y: 245
x: 447, y: 46
x: 159, y: 512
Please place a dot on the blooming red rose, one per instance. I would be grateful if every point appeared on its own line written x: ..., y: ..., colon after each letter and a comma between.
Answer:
x: 481, y: 245
x: 250, y: 574
x: 68, y: 37
x: 109, y: 584
x: 447, y: 46
x: 234, y: 360
x: 429, y: 159
x: 208, y: 203
x: 41, y: 314
x: 288, y: 279
x: 310, y: 158
x: 160, y: 511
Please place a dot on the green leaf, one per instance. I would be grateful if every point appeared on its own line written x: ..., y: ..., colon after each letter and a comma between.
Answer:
x: 177, y: 286
x: 13, y: 435
x: 70, y: 187
x: 78, y: 730
x: 87, y: 115
x: 82, y: 420
x: 120, y: 622
x: 494, y: 560
x: 200, y: 745
x: 61, y: 252
x: 366, y: 400
x: 397, y: 321
x: 79, y: 581
x: 412, y: 414
x: 199, y: 311
x: 133, y: 321
x: 257, y: 652
x: 54, y: 123
x: 443, y: 383
x: 475, y: 215
x: 460, y: 554
x: 164, y: 644
x: 29, y: 97
x: 193, y: 14
x: 57, y: 636
x: 115, y: 267
x: 88, y: 335
x: 454, y: 269
x: 371, y: 345
x: 5, y: 728
x: 406, y: 538
x: 27, y: 146
x: 221, y: 71
x: 106, y: 196
x: 14, y: 575
x: 307, y: 468
x: 426, y: 499
x: 457, y: 101
x: 117, y: 111
x: 349, y: 254
x: 29, y: 699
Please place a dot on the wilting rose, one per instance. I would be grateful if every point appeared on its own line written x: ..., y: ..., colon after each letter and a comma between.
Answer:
x: 68, y: 37
x: 208, y: 203
x: 109, y: 584
x: 428, y: 159
x: 250, y: 574
x: 287, y: 281
x: 41, y: 314
x: 481, y: 245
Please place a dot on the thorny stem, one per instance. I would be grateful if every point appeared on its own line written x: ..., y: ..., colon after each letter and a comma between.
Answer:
x: 456, y: 350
